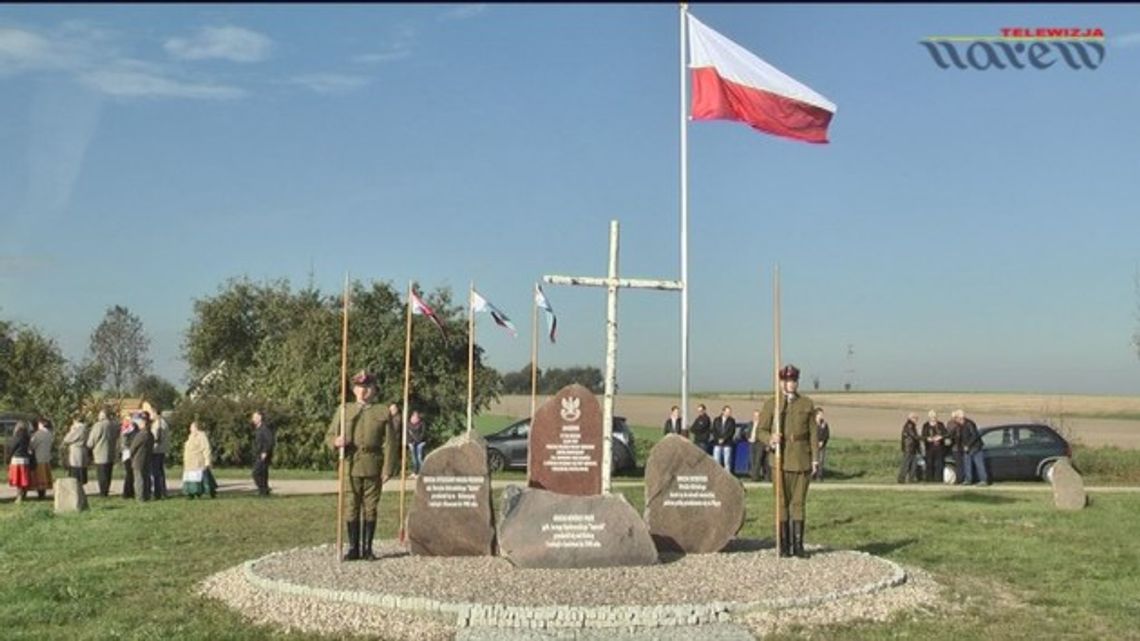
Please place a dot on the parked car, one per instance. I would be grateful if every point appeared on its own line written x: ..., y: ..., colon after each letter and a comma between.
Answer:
x: 507, y: 448
x: 1018, y: 452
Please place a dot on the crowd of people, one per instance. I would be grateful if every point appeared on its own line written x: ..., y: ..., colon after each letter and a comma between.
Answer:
x: 934, y: 441
x: 721, y: 436
x: 140, y: 441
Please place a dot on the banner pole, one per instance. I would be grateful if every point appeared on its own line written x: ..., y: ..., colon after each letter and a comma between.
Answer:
x: 343, y: 403
x: 684, y: 220
x: 404, y: 423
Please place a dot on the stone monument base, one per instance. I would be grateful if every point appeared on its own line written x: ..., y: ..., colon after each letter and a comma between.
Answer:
x: 417, y: 597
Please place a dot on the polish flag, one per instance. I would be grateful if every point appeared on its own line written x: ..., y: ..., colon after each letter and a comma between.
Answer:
x: 480, y: 304
x: 420, y: 307
x: 731, y: 83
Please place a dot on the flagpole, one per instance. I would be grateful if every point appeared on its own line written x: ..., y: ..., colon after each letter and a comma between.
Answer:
x: 343, y: 402
x: 684, y: 222
x: 470, y: 356
x: 533, y: 362
x: 533, y: 353
x: 778, y: 476
x: 404, y: 423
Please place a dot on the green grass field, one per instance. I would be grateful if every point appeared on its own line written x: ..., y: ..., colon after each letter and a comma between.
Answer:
x: 1019, y: 568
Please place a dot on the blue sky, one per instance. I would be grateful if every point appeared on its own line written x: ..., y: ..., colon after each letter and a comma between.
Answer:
x: 964, y: 230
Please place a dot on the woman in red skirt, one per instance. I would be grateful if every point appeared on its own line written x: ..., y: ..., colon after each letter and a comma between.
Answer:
x: 20, y: 461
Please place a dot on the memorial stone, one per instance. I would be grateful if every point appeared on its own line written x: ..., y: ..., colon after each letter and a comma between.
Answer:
x: 452, y: 514
x: 541, y: 529
x: 565, y: 443
x: 69, y: 496
x: 692, y: 504
x: 1068, y: 487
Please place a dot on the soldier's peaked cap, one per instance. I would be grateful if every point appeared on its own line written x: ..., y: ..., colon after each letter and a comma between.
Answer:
x: 364, y: 378
x: 790, y: 373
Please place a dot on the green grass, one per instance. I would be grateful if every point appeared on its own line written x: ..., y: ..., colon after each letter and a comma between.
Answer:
x: 1019, y: 568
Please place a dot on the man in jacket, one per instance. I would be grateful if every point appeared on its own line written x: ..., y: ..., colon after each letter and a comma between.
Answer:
x: 824, y: 437
x: 368, y: 462
x: 141, y: 449
x: 933, y: 435
x: 908, y: 470
x: 973, y: 462
x: 701, y: 429
x: 673, y: 423
x: 758, y: 467
x: 160, y: 430
x: 263, y: 443
x: 723, y: 433
x: 798, y: 441
x: 417, y: 441
x: 102, y: 441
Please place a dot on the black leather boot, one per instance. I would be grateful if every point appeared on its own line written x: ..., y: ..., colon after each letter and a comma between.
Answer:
x: 353, y: 541
x: 798, y: 539
x: 366, y: 544
x: 785, y: 540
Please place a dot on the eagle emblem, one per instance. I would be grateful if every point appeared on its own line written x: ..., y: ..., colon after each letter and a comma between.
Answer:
x: 571, y: 408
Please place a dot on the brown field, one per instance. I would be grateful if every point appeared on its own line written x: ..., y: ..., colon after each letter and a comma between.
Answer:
x: 1088, y: 420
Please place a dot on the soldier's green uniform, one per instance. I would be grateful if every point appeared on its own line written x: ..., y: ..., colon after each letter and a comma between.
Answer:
x: 799, y: 448
x: 366, y: 458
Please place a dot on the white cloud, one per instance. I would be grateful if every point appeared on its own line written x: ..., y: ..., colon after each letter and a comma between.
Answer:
x: 22, y: 50
x: 378, y: 58
x: 329, y: 83
x: 138, y: 83
x: 225, y: 42
x: 1127, y: 40
x: 92, y: 57
x: 398, y: 47
x: 463, y: 12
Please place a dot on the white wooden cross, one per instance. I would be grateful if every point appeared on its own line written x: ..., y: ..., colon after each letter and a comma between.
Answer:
x: 611, y: 282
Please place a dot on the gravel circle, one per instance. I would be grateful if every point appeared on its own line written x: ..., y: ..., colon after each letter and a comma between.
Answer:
x: 410, y: 597
x: 748, y: 573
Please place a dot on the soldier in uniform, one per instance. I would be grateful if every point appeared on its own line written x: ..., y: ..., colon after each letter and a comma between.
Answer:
x: 799, y: 452
x: 369, y: 462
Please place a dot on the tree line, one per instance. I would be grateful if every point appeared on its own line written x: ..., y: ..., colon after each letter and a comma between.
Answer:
x: 272, y: 347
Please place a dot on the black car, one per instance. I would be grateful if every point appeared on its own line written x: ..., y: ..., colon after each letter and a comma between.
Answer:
x: 1019, y: 452
x: 507, y: 448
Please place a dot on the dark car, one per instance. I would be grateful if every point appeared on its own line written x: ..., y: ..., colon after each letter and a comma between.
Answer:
x: 1019, y: 452
x: 507, y: 448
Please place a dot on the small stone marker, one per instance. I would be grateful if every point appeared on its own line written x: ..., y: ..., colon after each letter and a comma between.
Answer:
x: 69, y: 496
x: 541, y: 529
x: 691, y: 503
x: 452, y: 514
x: 565, y: 443
x: 1068, y: 487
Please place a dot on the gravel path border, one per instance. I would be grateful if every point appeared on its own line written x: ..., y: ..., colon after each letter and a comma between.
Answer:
x: 310, y: 582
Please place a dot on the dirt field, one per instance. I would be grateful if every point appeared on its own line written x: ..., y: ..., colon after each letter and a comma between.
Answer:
x: 880, y: 416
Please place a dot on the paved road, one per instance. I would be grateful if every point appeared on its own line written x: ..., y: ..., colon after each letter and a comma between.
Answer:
x: 307, y: 487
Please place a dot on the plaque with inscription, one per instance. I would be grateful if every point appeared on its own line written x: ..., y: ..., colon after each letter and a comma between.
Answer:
x: 452, y: 514
x: 691, y: 503
x: 565, y: 443
x: 540, y: 529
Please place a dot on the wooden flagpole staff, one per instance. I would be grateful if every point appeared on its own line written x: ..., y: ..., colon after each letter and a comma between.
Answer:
x: 404, y: 423
x: 343, y: 402
x: 778, y: 474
